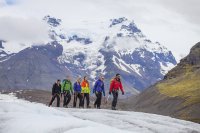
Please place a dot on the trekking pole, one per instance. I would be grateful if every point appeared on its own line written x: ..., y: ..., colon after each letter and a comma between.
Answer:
x: 107, y: 99
x: 75, y: 96
x: 104, y: 98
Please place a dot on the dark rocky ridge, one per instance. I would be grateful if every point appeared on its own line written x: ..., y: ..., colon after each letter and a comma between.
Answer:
x: 178, y: 94
x: 192, y: 59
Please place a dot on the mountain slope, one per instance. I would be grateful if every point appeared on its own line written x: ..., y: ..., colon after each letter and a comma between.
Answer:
x: 91, y: 48
x: 178, y: 95
x: 34, y: 117
x: 118, y: 46
x: 32, y: 68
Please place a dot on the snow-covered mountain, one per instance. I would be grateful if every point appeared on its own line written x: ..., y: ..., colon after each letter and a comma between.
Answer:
x: 21, y: 116
x: 88, y: 48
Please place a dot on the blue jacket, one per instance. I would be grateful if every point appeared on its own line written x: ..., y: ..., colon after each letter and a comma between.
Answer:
x: 99, y: 87
x: 77, y: 87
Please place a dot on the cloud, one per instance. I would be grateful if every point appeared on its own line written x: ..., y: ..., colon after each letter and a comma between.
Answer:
x: 174, y: 23
x: 189, y: 9
x: 2, y: 3
x: 23, y: 30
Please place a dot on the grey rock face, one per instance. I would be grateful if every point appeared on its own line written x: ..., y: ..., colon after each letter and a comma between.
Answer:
x: 32, y: 68
x: 150, y: 69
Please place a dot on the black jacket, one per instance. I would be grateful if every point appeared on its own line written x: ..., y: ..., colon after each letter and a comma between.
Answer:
x: 56, y: 89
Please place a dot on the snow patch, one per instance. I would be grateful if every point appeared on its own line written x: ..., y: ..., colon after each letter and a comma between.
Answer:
x: 136, y: 68
x: 120, y: 64
x: 129, y: 68
x: 165, y: 67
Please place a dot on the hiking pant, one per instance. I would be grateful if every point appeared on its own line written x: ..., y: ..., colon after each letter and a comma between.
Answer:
x: 115, y: 97
x: 87, y: 96
x: 98, y: 100
x: 67, y: 98
x: 77, y: 96
x: 53, y: 98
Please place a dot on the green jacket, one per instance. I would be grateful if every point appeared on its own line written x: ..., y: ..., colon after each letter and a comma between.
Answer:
x: 66, y: 86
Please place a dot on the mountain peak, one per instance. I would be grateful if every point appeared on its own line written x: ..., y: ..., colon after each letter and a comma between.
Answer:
x: 132, y: 28
x: 117, y: 21
x: 126, y: 27
x: 52, y: 21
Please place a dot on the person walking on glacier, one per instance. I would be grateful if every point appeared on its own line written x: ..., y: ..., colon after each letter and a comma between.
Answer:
x: 77, y: 93
x: 115, y: 86
x: 66, y: 91
x: 56, y: 91
x: 85, y: 90
x: 99, y: 90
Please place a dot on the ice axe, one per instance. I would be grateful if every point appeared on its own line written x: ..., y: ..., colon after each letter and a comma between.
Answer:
x: 106, y: 99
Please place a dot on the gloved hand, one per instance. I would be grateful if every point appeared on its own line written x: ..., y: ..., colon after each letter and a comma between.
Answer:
x: 122, y: 93
x: 109, y: 93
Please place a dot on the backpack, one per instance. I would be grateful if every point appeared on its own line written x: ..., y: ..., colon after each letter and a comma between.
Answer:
x: 65, y: 82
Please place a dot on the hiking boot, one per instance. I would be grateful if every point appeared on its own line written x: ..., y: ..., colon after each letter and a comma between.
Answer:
x: 88, y: 107
x: 98, y: 108
x: 95, y: 106
x: 65, y: 106
x: 113, y: 108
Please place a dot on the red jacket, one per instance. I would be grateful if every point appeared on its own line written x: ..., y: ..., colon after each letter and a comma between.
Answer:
x: 116, y: 85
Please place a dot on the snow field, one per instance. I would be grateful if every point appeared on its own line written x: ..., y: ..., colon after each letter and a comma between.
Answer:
x: 19, y: 116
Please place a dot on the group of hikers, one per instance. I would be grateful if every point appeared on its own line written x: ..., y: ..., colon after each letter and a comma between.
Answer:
x: 81, y: 91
